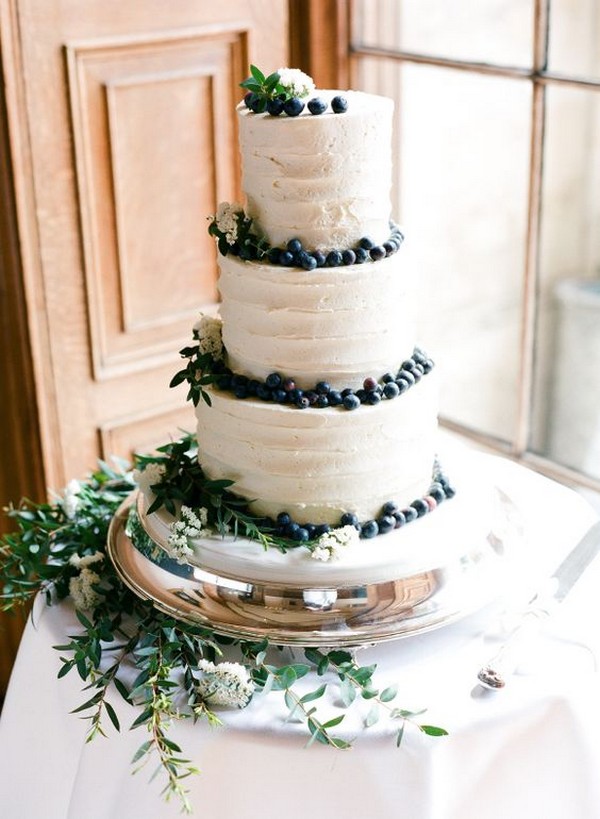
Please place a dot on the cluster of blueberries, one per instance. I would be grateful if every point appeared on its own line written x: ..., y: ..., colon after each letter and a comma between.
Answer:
x: 293, y: 106
x: 391, y: 517
x: 283, y: 390
x: 295, y: 255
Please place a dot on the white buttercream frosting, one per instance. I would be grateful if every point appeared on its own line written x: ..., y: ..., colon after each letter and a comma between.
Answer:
x: 330, y: 324
x: 323, y: 179
x: 317, y: 464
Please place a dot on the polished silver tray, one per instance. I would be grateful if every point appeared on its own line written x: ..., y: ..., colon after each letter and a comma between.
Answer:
x: 347, y: 616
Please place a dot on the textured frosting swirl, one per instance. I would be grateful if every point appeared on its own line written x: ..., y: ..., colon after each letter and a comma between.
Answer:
x: 334, y: 324
x: 323, y: 179
x: 318, y: 464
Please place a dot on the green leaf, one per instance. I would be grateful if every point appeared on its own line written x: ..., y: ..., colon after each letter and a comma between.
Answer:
x: 314, y: 695
x: 257, y: 74
x: 388, y: 694
x: 333, y: 722
x: 433, y: 731
x: 347, y: 692
x: 112, y: 715
x: 399, y: 736
x: 373, y: 716
x: 142, y: 718
x: 142, y: 751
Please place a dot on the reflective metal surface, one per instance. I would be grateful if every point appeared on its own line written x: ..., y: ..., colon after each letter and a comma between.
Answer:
x: 342, y: 616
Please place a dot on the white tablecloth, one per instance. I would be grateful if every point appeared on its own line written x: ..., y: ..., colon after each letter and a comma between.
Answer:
x: 531, y: 750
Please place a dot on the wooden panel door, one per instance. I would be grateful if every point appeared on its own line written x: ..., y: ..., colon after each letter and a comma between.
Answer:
x: 119, y: 140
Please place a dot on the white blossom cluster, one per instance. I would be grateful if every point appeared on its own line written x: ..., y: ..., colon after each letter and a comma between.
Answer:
x: 149, y: 475
x: 296, y: 82
x: 224, y: 684
x: 80, y: 587
x: 330, y: 544
x: 71, y: 499
x: 226, y: 220
x: 209, y: 331
x: 190, y: 524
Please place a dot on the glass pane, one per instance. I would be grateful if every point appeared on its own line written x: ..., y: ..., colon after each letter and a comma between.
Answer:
x: 462, y: 163
x: 494, y: 31
x: 574, y: 38
x: 566, y: 417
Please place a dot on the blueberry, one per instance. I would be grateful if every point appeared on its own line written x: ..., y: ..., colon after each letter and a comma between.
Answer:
x: 322, y: 401
x: 407, y: 377
x: 366, y: 243
x: 312, y: 397
x: 280, y: 396
x: 323, y: 387
x: 430, y: 501
x: 295, y: 393
x: 334, y: 258
x: 347, y: 391
x: 289, y: 384
x: 370, y: 384
x: 310, y: 528
x: 300, y: 534
x: 350, y: 519
x: 389, y: 247
x: 307, y: 261
x: 428, y: 366
x: 247, y: 253
x: 362, y: 396
x: 273, y: 255
x: 335, y: 398
x: 253, y: 386
x: 241, y: 392
x: 273, y: 380
x: 417, y: 373
x: 224, y: 382
x: 389, y: 508
x: 275, y: 107
x: 257, y: 104
x: 249, y: 98
x: 234, y: 249
x: 317, y: 106
x: 391, y: 390
x: 436, y: 491
x: 223, y: 246
x: 352, y: 401
x: 399, y: 520
x: 293, y: 107
x: 361, y: 255
x: 373, y: 398
x: 377, y: 253
x: 449, y: 491
x: 388, y: 377
x: 286, y: 258
x: 283, y: 518
x: 303, y: 402
x: 322, y: 529
x: 386, y: 524
x: 239, y: 380
x: 369, y: 529
x: 294, y: 245
x: 290, y: 528
x: 348, y: 257
x: 339, y: 105
x: 409, y: 364
x: 410, y: 514
x: 264, y: 393
x: 320, y: 257
x: 420, y: 506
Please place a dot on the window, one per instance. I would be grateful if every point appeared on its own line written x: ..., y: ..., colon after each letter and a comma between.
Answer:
x: 497, y: 182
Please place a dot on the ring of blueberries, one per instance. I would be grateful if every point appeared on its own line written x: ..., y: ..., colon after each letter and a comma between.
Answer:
x: 293, y: 106
x: 391, y: 516
x: 295, y: 255
x: 280, y: 390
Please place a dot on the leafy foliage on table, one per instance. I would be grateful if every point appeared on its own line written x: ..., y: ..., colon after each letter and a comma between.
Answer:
x: 123, y: 632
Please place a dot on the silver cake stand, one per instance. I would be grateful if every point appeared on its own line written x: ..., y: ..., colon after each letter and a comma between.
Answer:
x: 339, y: 615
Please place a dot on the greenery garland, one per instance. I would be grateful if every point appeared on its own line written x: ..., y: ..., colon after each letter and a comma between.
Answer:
x: 59, y: 548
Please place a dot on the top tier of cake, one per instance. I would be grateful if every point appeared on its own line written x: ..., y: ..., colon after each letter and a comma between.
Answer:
x: 322, y: 179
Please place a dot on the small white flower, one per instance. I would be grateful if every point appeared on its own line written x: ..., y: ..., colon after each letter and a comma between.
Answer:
x: 224, y: 684
x: 330, y: 544
x: 192, y: 523
x: 71, y: 498
x: 86, y: 560
x: 296, y: 82
x: 149, y: 475
x: 226, y: 220
x: 209, y: 332
x: 80, y: 589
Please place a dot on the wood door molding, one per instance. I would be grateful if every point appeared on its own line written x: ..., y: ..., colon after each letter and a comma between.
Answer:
x: 319, y: 41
